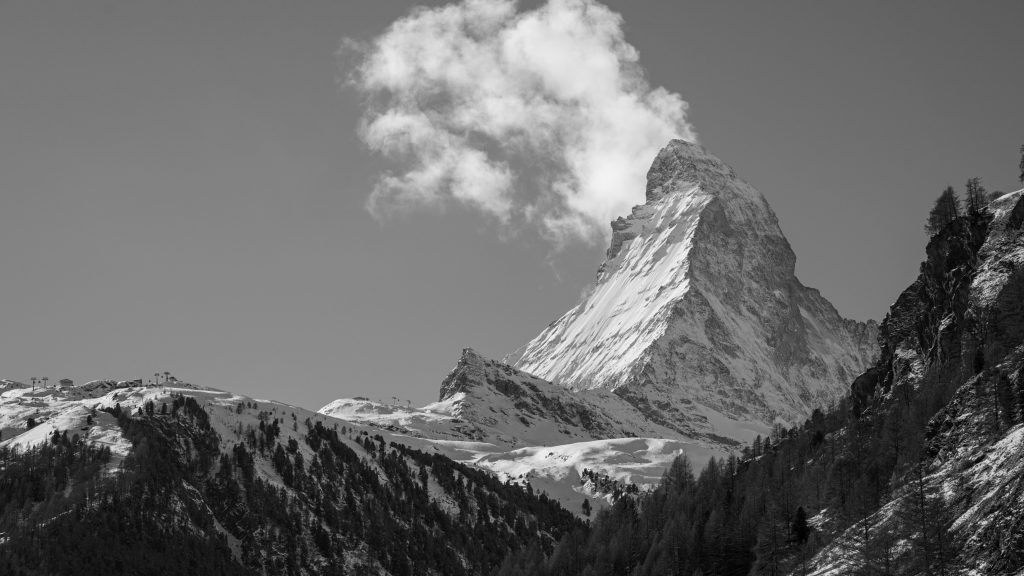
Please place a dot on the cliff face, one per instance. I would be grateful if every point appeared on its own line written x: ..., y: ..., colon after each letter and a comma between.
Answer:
x: 977, y: 440
x: 697, y: 317
x: 959, y: 327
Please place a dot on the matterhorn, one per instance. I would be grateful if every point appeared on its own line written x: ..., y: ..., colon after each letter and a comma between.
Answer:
x: 697, y: 317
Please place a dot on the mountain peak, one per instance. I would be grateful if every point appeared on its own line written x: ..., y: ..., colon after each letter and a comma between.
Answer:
x: 471, y: 356
x: 697, y: 316
x: 468, y: 372
x: 682, y: 161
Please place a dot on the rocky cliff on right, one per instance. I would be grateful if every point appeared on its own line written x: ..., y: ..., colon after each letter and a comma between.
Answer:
x: 952, y: 353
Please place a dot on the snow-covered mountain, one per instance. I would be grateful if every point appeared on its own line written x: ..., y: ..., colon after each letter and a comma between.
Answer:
x: 525, y: 429
x: 697, y: 318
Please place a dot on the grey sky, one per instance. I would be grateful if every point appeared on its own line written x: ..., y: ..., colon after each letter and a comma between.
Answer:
x: 182, y: 187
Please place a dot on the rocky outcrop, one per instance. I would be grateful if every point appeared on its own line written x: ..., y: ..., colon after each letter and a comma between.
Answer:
x: 697, y: 318
x: 511, y: 407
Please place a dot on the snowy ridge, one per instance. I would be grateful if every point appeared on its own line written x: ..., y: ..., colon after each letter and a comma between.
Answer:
x: 485, y: 400
x: 525, y: 429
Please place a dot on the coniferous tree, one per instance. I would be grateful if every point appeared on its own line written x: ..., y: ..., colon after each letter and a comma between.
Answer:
x: 801, y: 530
x: 1005, y: 400
x: 770, y: 546
x: 945, y: 211
x: 1020, y: 398
x: 1021, y: 177
x: 927, y: 520
x: 976, y: 197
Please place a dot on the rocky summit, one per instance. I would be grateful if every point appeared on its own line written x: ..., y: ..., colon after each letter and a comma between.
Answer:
x: 697, y: 317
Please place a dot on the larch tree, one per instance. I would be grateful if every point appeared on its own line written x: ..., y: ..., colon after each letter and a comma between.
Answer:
x: 945, y: 211
x: 1021, y: 177
x: 927, y: 520
x: 976, y: 197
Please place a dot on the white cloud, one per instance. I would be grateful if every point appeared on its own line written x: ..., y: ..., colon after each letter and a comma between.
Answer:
x: 538, y: 117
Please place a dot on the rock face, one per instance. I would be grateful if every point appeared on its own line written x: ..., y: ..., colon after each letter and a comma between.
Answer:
x: 959, y: 327
x: 515, y: 408
x: 974, y: 281
x: 697, y: 318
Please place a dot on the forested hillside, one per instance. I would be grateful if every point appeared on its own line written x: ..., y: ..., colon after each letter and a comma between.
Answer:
x: 340, y: 502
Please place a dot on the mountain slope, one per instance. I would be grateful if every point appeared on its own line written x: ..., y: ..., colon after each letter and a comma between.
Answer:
x: 696, y: 317
x: 180, y: 479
